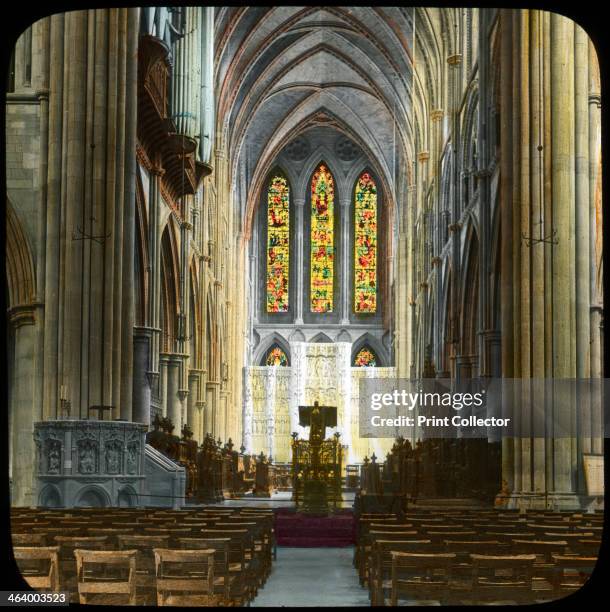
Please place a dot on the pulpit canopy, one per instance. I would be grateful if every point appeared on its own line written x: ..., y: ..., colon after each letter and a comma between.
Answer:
x: 329, y: 413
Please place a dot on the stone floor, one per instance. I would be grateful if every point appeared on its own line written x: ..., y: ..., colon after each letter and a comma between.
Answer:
x: 312, y: 577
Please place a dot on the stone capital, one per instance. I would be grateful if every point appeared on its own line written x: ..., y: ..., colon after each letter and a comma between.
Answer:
x: 23, y: 314
x: 437, y: 114
x: 454, y: 60
x: 423, y: 156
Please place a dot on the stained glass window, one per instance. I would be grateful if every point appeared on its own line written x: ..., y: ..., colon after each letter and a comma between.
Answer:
x: 365, y: 245
x: 278, y: 239
x: 276, y: 357
x: 365, y: 358
x: 322, y: 240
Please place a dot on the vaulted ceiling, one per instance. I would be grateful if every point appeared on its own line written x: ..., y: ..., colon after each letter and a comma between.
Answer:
x: 282, y: 70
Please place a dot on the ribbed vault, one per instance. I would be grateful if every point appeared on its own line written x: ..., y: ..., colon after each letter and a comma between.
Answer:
x: 283, y: 70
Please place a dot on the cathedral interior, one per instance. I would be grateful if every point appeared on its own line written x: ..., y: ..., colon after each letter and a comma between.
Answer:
x: 218, y: 215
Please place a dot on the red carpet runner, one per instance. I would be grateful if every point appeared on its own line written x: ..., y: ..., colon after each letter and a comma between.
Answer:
x: 304, y: 531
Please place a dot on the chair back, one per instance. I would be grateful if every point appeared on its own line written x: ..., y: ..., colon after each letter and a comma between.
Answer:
x: 184, y: 577
x: 31, y: 561
x: 106, y: 576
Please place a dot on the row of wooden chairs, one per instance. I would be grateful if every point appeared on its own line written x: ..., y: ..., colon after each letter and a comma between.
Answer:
x: 487, y: 558
x: 182, y: 577
x: 239, y: 541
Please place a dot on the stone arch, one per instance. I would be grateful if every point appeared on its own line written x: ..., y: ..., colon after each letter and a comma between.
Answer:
x: 19, y: 265
x: 275, y: 339
x: 344, y: 336
x: 469, y: 294
x: 127, y: 497
x: 195, y: 325
x: 321, y: 337
x: 50, y: 497
x: 170, y: 289
x: 468, y: 152
x: 368, y: 340
x: 92, y: 496
x: 141, y: 264
x: 446, y: 340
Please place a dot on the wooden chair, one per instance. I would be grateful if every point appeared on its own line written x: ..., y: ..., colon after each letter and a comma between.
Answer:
x: 380, y: 570
x: 439, y: 537
x: 421, y: 576
x: 31, y: 561
x: 185, y: 577
x: 571, y: 572
x: 67, y: 565
x: 585, y: 547
x: 29, y: 539
x: 145, y: 563
x: 544, y: 566
x: 229, y: 586
x: 106, y: 577
x: 240, y: 559
x: 501, y: 578
x: 261, y: 548
x: 111, y: 533
x: 506, y: 537
x: 365, y: 546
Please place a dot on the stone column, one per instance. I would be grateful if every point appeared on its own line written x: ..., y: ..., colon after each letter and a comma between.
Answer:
x: 564, y: 282
x: 248, y: 410
x: 298, y: 374
x: 163, y: 381
x: 141, y: 380
x: 299, y: 258
x: 192, y: 414
x: 506, y: 216
x: 270, y: 389
x: 346, y: 282
x: 595, y: 242
x: 90, y: 214
x: 22, y: 412
x: 344, y: 394
x: 174, y: 403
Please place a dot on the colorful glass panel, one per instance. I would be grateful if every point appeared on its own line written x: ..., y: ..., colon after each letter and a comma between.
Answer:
x: 278, y: 244
x: 365, y: 245
x: 322, y: 240
x: 277, y: 357
x: 365, y: 359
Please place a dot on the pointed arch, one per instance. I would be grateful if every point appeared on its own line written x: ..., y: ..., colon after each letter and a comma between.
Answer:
x: 278, y: 242
x: 170, y: 289
x: 19, y: 263
x: 267, y: 346
x: 276, y: 356
x: 368, y: 342
x: 195, y: 327
x: 469, y: 294
x: 365, y: 358
x: 322, y: 240
x: 365, y: 244
x: 321, y: 337
x: 141, y: 265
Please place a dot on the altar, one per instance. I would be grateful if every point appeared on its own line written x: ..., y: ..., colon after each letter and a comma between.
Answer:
x: 316, y: 371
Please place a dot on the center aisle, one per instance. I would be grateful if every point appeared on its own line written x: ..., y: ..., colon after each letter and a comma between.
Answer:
x: 312, y: 577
